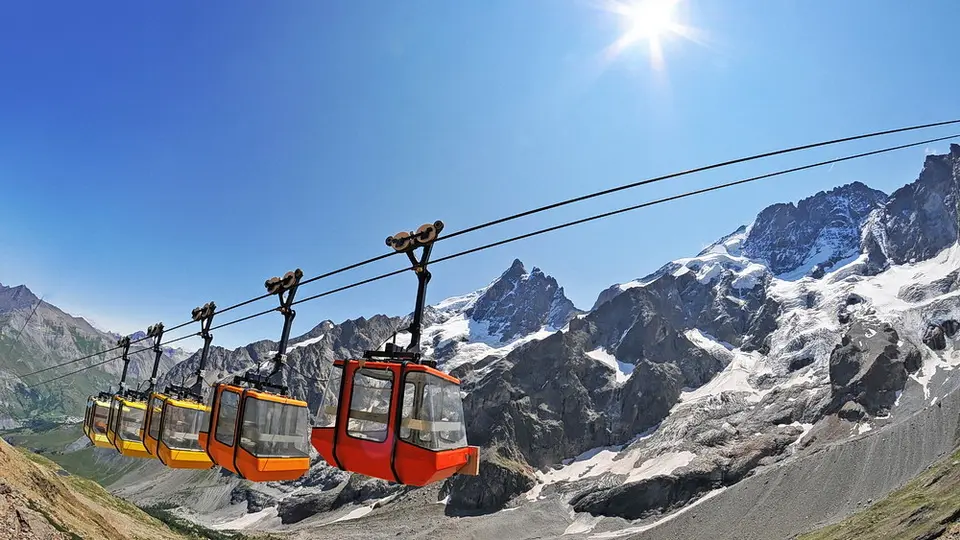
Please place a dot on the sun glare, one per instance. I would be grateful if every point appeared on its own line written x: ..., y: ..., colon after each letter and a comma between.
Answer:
x: 650, y: 21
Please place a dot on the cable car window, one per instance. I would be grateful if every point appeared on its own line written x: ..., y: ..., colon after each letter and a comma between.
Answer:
x: 227, y: 417
x: 100, y: 418
x: 156, y: 410
x: 180, y: 428
x: 409, y: 393
x: 327, y: 413
x: 207, y: 411
x: 273, y: 429
x: 436, y: 422
x: 86, y: 414
x: 115, y: 416
x: 131, y: 427
x: 370, y: 404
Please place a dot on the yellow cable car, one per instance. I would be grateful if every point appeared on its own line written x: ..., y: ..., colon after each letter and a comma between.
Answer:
x: 125, y: 426
x: 95, y: 420
x: 171, y: 428
x: 125, y: 420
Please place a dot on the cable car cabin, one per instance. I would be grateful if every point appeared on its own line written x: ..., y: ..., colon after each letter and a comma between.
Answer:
x: 259, y: 435
x: 125, y: 426
x: 95, y: 422
x: 404, y: 423
x: 178, y: 432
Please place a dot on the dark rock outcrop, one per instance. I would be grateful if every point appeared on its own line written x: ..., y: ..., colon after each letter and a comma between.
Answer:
x: 921, y: 218
x: 501, y: 477
x: 868, y: 367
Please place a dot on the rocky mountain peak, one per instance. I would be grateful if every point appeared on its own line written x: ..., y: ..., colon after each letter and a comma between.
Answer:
x: 817, y: 231
x: 519, y: 303
x: 919, y: 219
x: 14, y: 298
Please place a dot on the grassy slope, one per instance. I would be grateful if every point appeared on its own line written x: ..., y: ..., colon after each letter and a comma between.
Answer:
x: 89, y: 470
x: 927, y: 507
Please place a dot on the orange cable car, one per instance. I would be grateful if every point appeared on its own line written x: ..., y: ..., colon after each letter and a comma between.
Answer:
x: 254, y: 429
x: 393, y: 415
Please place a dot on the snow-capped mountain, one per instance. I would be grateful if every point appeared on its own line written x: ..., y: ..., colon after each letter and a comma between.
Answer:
x: 819, y: 324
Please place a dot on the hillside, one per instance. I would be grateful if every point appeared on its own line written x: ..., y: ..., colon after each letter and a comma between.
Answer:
x: 39, y: 500
x: 926, y: 508
x: 35, y: 334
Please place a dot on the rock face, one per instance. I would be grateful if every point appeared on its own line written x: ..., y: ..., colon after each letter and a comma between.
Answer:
x: 821, y: 229
x: 919, y: 219
x: 519, y: 303
x: 868, y: 367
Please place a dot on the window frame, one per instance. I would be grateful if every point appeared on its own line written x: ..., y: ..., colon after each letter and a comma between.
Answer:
x: 253, y: 451
x: 93, y: 420
x: 441, y: 388
x: 121, y: 423
x: 236, y: 417
x: 113, y: 422
x: 390, y: 405
x: 164, y: 440
x: 154, y: 418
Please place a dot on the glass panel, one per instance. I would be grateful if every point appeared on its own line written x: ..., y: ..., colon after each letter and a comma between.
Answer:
x: 433, y: 417
x: 100, y: 413
x: 205, y: 421
x: 272, y: 429
x: 131, y: 427
x: 227, y: 417
x: 327, y: 414
x: 115, y: 416
x: 180, y: 427
x: 86, y: 415
x: 156, y: 413
x: 370, y: 404
x: 409, y: 391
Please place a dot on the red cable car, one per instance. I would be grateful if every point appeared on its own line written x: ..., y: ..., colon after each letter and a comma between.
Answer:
x: 393, y: 415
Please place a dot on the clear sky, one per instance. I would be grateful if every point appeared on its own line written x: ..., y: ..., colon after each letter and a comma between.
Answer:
x: 154, y: 156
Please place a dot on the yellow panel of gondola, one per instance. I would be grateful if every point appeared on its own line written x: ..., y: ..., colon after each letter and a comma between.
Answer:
x: 96, y: 427
x: 151, y: 423
x: 179, y: 435
x: 125, y: 425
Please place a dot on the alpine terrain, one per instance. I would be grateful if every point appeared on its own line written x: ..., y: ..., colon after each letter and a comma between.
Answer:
x: 781, y: 380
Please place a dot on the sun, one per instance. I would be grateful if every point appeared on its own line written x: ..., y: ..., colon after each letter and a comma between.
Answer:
x: 650, y: 21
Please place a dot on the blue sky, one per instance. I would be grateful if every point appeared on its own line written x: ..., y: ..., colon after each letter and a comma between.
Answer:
x: 154, y: 156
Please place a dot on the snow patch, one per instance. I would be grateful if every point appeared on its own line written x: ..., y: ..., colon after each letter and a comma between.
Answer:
x: 661, y: 465
x: 622, y: 370
x: 246, y: 520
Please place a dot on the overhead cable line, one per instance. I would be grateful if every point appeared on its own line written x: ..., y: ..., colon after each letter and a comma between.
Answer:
x: 550, y: 207
x: 692, y: 171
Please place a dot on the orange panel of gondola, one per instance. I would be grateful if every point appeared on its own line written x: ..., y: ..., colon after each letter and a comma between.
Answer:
x: 272, y: 442
x: 223, y: 425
